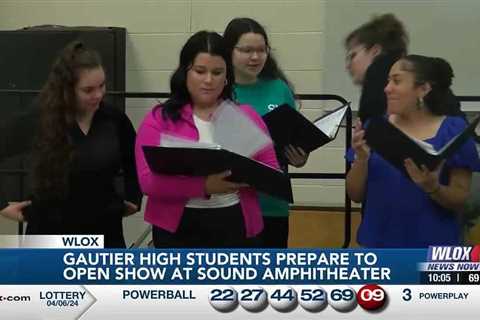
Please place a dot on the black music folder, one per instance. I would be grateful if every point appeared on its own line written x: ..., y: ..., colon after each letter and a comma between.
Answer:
x: 202, y: 161
x: 395, y: 146
x: 288, y: 126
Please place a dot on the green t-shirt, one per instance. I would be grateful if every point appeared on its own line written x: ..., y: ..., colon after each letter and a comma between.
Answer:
x: 264, y: 96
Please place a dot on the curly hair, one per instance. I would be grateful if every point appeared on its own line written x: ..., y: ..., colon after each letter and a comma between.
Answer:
x: 439, y: 74
x: 385, y: 30
x: 53, y: 149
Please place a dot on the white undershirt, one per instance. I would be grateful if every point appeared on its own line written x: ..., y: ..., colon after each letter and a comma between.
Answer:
x: 205, y: 134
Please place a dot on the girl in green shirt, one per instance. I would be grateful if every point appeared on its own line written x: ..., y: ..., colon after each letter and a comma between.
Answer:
x: 260, y: 83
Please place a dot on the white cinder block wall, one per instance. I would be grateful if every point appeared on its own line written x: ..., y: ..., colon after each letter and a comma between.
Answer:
x: 306, y: 36
x: 158, y: 29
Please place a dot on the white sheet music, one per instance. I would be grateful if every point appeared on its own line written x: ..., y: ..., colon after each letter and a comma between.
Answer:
x: 179, y: 142
x: 234, y: 131
x: 425, y: 146
x: 331, y: 122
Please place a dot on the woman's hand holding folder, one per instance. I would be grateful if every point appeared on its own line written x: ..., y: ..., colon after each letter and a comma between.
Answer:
x: 296, y: 156
x: 217, y: 183
x: 427, y: 180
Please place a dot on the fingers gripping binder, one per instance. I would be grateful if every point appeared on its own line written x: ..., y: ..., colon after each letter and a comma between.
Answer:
x: 395, y: 146
x: 194, y: 161
x: 287, y: 126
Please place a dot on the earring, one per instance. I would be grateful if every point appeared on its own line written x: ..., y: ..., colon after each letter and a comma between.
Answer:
x: 226, y: 81
x: 420, y: 103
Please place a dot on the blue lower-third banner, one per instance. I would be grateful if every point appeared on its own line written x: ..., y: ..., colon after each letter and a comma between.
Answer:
x: 227, y: 266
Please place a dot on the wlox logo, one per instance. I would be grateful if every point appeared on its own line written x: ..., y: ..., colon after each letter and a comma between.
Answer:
x: 79, y: 241
x: 454, y: 253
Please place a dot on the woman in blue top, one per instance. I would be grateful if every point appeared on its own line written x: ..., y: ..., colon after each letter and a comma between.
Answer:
x: 260, y: 83
x: 422, y: 210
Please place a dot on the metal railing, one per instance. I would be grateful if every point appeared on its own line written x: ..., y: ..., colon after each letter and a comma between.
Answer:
x: 337, y: 176
x: 316, y: 97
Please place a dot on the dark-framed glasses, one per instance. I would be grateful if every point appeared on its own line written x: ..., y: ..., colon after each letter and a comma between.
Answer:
x: 248, y: 50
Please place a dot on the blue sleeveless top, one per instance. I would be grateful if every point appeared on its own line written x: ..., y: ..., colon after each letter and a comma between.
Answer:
x: 397, y: 213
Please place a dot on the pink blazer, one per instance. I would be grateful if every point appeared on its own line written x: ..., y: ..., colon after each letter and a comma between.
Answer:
x: 167, y: 194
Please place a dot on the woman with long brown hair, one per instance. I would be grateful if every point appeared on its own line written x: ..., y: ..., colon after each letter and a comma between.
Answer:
x: 79, y: 148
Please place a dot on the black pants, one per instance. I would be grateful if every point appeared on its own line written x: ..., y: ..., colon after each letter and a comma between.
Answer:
x: 206, y: 228
x: 275, y: 232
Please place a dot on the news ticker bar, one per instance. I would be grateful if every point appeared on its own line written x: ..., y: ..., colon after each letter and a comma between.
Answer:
x: 240, y: 302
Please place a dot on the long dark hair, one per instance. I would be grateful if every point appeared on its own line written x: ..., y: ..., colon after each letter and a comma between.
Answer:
x: 201, y: 42
x: 238, y: 27
x: 52, y: 149
x: 439, y: 74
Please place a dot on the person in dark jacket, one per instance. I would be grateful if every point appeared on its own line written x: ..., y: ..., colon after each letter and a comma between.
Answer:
x: 79, y: 147
x: 372, y: 49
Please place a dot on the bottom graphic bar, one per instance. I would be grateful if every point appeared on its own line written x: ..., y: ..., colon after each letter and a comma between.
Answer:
x: 239, y: 302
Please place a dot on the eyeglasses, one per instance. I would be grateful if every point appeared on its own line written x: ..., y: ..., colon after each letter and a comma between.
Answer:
x: 263, y: 51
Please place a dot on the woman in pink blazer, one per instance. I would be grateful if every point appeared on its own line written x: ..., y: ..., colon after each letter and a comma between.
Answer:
x: 188, y: 211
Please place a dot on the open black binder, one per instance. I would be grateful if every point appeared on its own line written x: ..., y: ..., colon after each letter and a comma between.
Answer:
x: 395, y: 146
x: 195, y: 161
x: 288, y: 126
